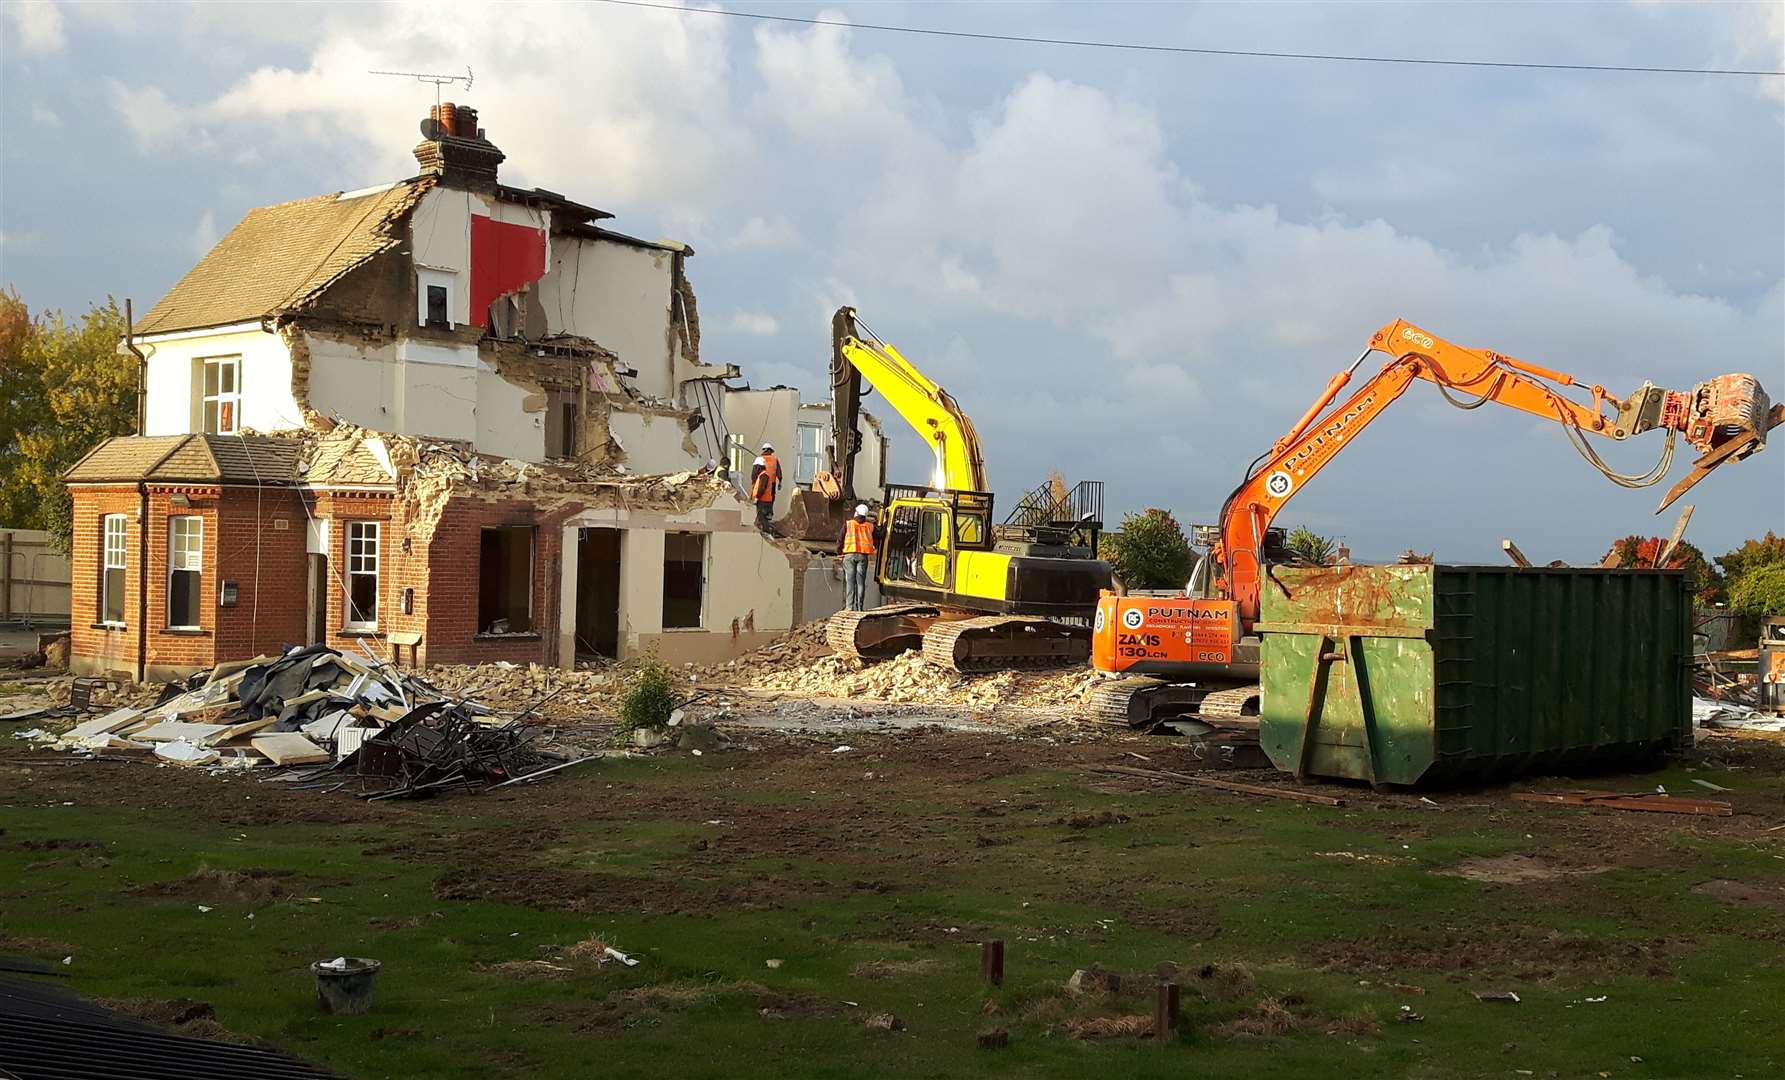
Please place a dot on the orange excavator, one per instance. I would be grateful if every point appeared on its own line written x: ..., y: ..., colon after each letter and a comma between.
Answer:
x: 1195, y: 654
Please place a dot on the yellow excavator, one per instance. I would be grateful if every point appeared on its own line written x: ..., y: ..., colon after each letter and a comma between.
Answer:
x: 975, y: 595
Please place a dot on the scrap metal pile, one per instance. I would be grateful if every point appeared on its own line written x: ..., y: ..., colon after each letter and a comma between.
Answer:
x: 356, y: 720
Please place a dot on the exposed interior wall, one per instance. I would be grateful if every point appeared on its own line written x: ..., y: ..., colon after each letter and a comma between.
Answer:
x: 267, y: 403
x: 752, y: 592
x: 653, y: 442
x: 414, y: 387
x: 769, y: 415
x: 618, y: 295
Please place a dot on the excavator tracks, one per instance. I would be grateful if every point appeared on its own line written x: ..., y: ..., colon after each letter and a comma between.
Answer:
x: 1005, y: 643
x: 1141, y: 701
x: 879, y: 633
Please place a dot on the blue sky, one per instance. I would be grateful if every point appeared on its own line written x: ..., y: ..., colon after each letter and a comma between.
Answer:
x: 1131, y: 267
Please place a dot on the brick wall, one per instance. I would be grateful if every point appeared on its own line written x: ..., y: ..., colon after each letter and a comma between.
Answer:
x: 242, y: 543
x: 96, y: 649
x: 453, y: 555
x: 257, y: 539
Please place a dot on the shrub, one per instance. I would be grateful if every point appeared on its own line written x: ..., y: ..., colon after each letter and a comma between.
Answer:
x: 650, y: 699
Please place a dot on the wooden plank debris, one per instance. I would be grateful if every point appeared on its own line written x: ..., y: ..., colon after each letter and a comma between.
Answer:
x: 1651, y: 802
x: 1224, y: 785
x: 104, y: 725
x: 290, y: 748
x: 1513, y: 553
x: 176, y: 731
x: 236, y: 731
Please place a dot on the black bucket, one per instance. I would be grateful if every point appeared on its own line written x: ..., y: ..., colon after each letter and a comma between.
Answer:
x: 345, y: 989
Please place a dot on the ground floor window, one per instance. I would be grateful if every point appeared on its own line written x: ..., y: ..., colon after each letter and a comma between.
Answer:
x: 185, y: 561
x: 362, y: 575
x: 505, y: 580
x: 684, y: 579
x: 111, y: 575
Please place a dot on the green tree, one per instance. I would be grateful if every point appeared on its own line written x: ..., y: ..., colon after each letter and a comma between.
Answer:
x: 1310, y: 545
x: 63, y: 388
x: 1766, y: 551
x: 1760, y: 591
x: 1150, y: 552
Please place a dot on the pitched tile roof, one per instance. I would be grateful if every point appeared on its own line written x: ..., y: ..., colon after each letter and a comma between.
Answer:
x: 225, y: 459
x: 281, y: 257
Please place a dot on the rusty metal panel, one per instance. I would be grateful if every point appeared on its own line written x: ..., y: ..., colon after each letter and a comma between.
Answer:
x: 1436, y: 674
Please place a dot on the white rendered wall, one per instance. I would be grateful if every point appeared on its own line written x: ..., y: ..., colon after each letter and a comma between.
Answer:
x: 267, y: 403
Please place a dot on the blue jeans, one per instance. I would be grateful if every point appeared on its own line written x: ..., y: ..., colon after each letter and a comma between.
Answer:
x: 855, y: 581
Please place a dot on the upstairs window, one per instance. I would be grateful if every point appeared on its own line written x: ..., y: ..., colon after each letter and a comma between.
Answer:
x: 112, y: 561
x: 434, y: 298
x: 185, y: 561
x: 805, y: 467
x: 221, y: 404
x: 362, y: 575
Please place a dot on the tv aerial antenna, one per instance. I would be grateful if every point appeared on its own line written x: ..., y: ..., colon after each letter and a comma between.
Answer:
x: 430, y: 77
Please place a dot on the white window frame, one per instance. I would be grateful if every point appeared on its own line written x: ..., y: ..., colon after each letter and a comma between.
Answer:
x: 806, y: 466
x: 362, y: 543
x: 232, y: 397
x: 185, y: 553
x: 450, y: 281
x: 114, y: 554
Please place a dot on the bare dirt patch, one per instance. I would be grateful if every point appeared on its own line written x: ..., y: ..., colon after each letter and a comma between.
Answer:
x: 253, y: 885
x: 1515, y: 869
x: 1745, y: 893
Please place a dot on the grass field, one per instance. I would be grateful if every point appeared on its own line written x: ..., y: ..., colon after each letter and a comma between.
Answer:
x: 776, y: 898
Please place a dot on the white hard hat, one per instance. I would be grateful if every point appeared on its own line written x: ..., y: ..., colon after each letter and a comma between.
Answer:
x: 861, y: 509
x: 766, y: 446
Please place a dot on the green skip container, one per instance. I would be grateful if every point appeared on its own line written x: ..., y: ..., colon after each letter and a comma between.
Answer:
x: 1422, y: 674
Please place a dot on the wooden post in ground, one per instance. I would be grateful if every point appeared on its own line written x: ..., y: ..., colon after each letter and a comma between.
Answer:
x: 991, y: 962
x: 1165, y: 1011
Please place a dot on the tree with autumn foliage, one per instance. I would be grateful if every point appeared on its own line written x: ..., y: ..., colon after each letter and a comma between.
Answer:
x: 1644, y: 553
x: 63, y: 388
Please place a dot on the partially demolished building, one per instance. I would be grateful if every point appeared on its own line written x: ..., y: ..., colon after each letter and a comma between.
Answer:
x: 460, y: 420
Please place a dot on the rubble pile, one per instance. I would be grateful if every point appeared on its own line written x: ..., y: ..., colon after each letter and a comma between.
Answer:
x: 549, y: 692
x: 910, y: 679
x: 797, y: 650
x: 396, y: 734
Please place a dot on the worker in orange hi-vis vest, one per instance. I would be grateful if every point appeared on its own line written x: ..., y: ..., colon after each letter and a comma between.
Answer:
x: 857, y: 548
x: 764, y: 485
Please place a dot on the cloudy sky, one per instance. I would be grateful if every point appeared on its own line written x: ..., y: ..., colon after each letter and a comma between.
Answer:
x: 1134, y: 267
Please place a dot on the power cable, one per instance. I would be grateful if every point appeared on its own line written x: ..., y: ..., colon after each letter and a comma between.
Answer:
x: 1129, y: 46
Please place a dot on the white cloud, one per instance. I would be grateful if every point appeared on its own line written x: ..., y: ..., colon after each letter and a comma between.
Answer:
x: 44, y: 117
x: 38, y: 24
x: 156, y: 122
x: 753, y: 323
x: 635, y: 103
x: 764, y: 234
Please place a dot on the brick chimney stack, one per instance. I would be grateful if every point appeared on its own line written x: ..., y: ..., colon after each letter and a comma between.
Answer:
x: 454, y: 148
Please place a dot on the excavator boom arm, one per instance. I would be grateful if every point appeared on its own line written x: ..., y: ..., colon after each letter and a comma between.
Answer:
x: 929, y: 409
x: 1727, y: 418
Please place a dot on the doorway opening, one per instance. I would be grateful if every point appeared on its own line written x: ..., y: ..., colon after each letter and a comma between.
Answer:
x: 598, y: 593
